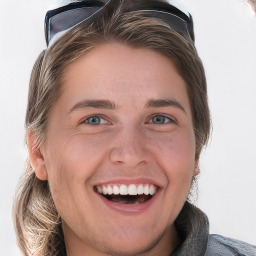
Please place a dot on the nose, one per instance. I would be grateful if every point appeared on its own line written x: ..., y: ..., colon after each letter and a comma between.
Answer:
x: 130, y: 148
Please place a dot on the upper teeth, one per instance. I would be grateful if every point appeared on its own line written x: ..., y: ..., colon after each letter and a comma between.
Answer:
x: 132, y: 189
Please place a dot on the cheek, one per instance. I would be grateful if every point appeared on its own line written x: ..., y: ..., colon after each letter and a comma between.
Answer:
x: 74, y: 157
x: 176, y: 152
x: 70, y: 163
x: 176, y: 156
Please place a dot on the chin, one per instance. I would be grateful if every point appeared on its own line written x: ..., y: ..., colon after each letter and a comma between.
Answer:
x: 130, y: 248
x: 129, y: 245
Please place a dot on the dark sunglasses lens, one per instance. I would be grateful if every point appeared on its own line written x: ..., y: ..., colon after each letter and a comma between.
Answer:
x: 67, y: 19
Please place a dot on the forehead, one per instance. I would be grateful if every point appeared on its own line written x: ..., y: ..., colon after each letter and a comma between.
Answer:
x: 123, y: 74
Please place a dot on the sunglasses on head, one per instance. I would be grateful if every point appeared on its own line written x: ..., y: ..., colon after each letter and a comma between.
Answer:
x: 60, y: 20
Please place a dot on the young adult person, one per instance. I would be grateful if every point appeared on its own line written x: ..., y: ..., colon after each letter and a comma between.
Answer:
x: 116, y: 120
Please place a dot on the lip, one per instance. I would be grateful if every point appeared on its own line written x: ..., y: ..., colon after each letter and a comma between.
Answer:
x: 129, y: 209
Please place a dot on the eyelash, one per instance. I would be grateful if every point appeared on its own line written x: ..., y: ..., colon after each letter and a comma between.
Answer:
x: 94, y: 116
x: 171, y: 119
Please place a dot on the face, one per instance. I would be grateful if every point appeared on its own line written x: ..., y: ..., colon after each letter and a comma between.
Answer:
x: 119, y: 153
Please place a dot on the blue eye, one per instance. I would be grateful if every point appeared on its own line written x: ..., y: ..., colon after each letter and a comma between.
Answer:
x: 95, y: 120
x: 160, y: 119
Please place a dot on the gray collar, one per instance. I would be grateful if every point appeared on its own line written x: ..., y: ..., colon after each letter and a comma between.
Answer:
x: 193, y: 227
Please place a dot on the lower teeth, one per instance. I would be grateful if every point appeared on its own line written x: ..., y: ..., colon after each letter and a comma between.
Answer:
x: 126, y: 199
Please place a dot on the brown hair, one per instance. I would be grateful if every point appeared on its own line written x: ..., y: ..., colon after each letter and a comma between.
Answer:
x: 37, y: 222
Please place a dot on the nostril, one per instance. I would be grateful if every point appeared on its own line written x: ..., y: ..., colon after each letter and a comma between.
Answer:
x: 130, y: 155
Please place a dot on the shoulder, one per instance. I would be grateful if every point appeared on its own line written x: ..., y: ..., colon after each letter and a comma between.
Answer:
x: 220, y: 245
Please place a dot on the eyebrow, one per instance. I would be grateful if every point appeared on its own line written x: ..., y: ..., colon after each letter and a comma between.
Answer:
x: 159, y: 103
x: 107, y: 104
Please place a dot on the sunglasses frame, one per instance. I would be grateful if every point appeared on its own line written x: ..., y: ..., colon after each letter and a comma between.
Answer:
x: 158, y: 10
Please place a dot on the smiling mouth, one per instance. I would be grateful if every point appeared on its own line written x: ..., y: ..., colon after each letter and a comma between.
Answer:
x: 132, y: 194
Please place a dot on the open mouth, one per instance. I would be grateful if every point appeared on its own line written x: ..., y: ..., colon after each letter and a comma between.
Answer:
x: 139, y: 199
x: 127, y: 194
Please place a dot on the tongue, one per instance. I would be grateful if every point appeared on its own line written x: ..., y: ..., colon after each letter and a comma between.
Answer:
x: 127, y: 199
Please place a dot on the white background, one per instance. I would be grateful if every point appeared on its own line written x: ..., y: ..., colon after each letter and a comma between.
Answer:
x: 226, y: 41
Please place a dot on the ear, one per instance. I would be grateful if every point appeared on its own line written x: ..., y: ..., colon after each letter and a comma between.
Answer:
x: 36, y: 157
